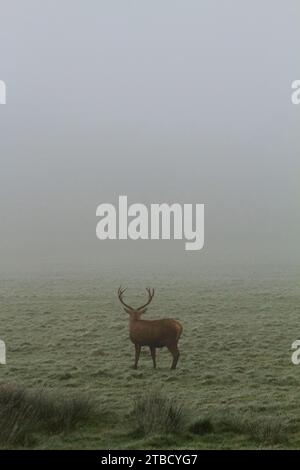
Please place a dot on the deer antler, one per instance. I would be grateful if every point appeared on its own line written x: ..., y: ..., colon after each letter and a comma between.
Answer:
x: 120, y: 295
x: 150, y: 297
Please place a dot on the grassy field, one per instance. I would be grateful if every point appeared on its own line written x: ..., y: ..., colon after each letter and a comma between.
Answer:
x: 235, y: 385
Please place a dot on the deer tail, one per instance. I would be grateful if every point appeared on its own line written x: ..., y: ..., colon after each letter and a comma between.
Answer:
x: 179, y: 331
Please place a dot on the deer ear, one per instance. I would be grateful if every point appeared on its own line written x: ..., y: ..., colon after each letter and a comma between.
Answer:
x: 127, y: 310
x: 143, y: 311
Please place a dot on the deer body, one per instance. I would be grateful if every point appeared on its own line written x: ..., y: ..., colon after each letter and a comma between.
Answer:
x: 156, y: 333
x: 152, y: 333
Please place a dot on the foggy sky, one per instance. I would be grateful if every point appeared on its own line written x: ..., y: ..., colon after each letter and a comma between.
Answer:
x: 162, y: 101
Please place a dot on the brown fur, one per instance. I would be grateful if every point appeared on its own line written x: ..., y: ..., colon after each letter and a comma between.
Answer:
x: 152, y: 333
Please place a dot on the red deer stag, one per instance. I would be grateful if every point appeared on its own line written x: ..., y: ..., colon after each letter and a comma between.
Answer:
x: 152, y: 333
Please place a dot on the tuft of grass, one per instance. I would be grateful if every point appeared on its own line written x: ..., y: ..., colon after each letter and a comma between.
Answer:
x: 24, y: 413
x: 154, y: 413
x: 268, y: 430
x: 201, y: 426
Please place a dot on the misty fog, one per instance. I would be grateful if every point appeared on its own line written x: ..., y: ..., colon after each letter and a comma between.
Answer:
x: 172, y: 101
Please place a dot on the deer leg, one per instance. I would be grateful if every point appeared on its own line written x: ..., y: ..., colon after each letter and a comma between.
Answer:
x: 175, y: 353
x: 137, y: 355
x: 153, y: 355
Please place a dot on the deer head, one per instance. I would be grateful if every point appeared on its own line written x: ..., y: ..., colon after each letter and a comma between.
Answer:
x: 135, y: 313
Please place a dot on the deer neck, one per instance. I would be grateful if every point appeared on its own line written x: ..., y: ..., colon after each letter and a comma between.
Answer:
x: 133, y: 322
